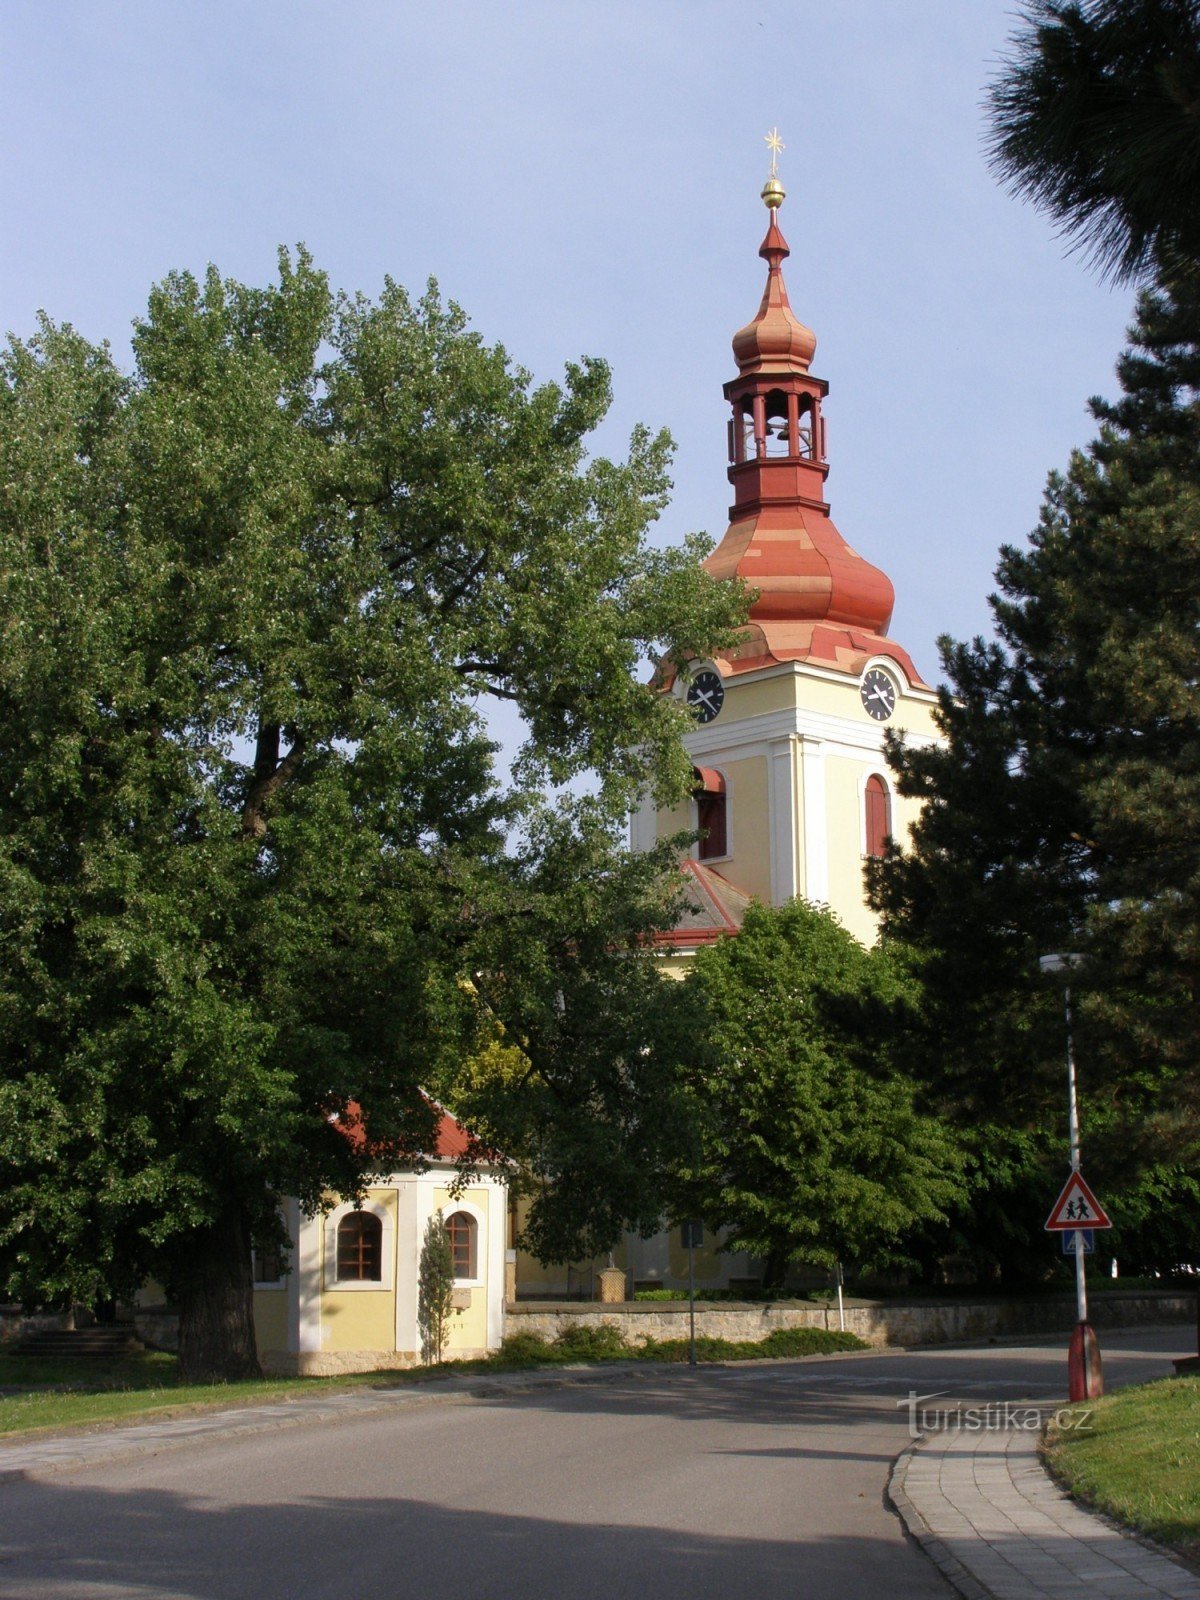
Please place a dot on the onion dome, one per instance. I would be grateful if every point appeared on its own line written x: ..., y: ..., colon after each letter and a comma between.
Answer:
x: 775, y: 341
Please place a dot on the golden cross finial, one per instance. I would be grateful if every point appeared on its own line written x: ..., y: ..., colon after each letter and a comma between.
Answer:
x: 774, y: 144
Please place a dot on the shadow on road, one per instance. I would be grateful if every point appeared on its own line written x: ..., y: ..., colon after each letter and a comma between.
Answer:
x: 119, y: 1544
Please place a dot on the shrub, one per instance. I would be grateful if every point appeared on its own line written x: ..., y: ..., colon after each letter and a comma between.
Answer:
x: 525, y: 1347
x: 591, y: 1342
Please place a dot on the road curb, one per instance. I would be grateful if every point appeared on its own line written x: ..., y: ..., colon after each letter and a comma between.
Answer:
x: 963, y: 1582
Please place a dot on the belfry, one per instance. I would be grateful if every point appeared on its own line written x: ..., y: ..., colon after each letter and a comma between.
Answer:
x: 792, y: 790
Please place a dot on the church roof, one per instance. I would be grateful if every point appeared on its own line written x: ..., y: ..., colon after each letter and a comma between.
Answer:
x: 714, y: 908
x: 450, y: 1139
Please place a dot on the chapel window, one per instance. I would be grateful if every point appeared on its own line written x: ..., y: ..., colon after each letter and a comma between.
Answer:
x: 464, y: 1232
x: 360, y: 1248
x: 877, y: 819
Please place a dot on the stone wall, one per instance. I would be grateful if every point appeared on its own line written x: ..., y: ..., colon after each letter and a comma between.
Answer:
x: 879, y: 1322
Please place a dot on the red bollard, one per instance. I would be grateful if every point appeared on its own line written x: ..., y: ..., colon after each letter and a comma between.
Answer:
x: 1085, y: 1378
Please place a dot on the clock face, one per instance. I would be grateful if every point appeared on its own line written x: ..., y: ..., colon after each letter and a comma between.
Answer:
x: 706, y: 694
x: 878, y: 695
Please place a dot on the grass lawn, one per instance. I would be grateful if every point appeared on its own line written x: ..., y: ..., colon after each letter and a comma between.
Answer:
x: 1139, y: 1461
x: 57, y: 1394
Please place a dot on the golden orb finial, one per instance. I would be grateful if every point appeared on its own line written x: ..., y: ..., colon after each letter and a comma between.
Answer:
x: 773, y: 192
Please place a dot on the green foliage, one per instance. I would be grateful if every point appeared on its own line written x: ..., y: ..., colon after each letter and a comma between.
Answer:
x: 255, y: 865
x: 435, y: 1289
x: 1059, y: 816
x: 1094, y: 117
x: 810, y: 1143
x: 582, y: 1341
x: 524, y: 1348
x: 779, y: 1345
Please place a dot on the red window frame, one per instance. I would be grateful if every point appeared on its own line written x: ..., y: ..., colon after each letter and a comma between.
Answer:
x: 462, y: 1232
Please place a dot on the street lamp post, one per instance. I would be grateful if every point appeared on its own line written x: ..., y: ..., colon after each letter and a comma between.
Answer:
x: 1085, y: 1379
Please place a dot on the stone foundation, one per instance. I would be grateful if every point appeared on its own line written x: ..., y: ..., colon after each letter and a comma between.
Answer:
x: 336, y: 1363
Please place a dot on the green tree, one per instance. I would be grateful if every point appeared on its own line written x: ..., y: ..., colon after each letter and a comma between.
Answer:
x: 1096, y: 117
x: 811, y: 1144
x: 435, y: 1289
x: 1060, y: 814
x: 256, y: 596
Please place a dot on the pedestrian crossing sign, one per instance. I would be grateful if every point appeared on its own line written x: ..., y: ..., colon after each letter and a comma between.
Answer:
x: 1076, y: 1207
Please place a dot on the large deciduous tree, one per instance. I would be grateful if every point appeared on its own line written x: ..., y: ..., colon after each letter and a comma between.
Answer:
x: 1061, y: 812
x: 256, y: 866
x: 810, y: 1144
x: 1096, y: 117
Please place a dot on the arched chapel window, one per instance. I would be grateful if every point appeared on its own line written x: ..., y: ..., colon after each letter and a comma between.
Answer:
x: 360, y: 1248
x: 877, y: 804
x: 464, y: 1235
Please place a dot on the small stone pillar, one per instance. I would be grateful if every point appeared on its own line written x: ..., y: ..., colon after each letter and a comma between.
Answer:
x: 610, y: 1286
x: 510, y: 1275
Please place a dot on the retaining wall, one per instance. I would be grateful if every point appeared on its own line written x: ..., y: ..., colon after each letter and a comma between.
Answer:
x: 879, y: 1322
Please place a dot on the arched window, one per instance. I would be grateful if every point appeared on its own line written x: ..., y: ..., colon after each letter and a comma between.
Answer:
x: 877, y: 818
x: 360, y: 1248
x: 464, y: 1234
x: 711, y: 816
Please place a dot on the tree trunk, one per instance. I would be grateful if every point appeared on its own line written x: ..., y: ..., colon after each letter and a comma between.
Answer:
x: 215, y: 1291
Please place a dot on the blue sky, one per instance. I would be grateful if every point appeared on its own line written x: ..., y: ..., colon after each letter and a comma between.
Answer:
x: 584, y: 179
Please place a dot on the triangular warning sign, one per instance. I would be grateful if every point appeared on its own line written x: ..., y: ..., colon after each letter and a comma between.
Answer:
x: 1076, y: 1207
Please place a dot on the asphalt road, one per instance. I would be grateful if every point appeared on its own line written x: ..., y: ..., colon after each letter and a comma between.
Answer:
x: 764, y: 1481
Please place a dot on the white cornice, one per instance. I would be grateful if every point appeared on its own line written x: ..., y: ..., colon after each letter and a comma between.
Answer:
x: 752, y: 735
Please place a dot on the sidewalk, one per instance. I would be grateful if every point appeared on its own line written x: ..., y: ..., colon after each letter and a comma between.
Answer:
x: 984, y: 1509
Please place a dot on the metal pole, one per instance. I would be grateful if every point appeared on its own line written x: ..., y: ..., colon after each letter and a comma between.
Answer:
x: 691, y: 1302
x: 1081, y: 1306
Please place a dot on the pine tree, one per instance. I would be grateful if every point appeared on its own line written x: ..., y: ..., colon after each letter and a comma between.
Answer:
x: 1094, y: 118
x: 1062, y: 811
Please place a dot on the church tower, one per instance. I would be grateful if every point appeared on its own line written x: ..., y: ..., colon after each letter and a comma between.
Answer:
x: 792, y: 789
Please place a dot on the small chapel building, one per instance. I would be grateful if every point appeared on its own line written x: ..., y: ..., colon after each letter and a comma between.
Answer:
x: 346, y: 1301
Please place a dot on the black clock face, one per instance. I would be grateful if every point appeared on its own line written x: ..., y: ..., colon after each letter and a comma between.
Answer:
x: 878, y: 694
x: 705, y: 694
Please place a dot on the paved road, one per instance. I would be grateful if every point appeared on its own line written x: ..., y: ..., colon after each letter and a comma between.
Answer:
x: 751, y: 1481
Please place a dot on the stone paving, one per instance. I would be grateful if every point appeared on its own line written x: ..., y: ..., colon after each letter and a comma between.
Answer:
x: 985, y: 1510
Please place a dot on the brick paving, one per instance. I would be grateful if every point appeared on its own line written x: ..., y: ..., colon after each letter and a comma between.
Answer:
x: 999, y: 1528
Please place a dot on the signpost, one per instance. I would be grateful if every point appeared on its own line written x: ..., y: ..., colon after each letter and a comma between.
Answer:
x: 691, y: 1234
x: 1075, y: 1211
